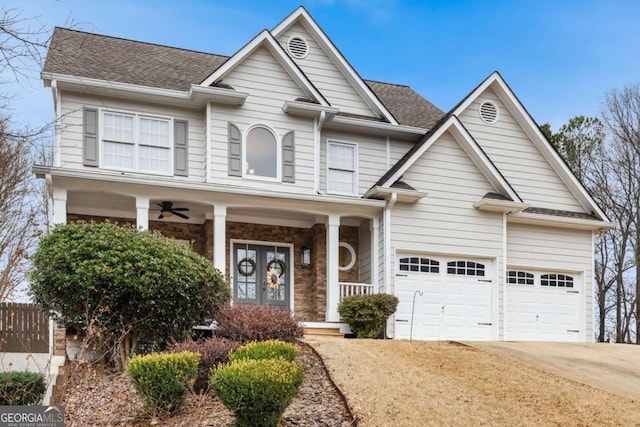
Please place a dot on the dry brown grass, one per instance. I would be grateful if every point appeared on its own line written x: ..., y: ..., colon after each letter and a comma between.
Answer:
x: 402, y: 383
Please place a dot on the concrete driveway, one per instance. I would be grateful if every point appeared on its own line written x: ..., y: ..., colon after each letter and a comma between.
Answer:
x: 611, y: 367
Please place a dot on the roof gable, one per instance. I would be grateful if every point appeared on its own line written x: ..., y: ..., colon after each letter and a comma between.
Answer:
x: 455, y: 128
x: 498, y: 85
x: 302, y: 17
x: 266, y: 40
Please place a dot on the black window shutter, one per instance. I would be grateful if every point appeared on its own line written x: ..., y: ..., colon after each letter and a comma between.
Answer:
x: 288, y: 158
x: 180, y: 148
x: 90, y: 137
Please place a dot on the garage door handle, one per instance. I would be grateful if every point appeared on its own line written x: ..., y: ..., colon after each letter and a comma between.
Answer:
x: 402, y: 320
x: 573, y: 330
x: 402, y: 275
x: 484, y: 280
x: 484, y: 324
x: 573, y: 292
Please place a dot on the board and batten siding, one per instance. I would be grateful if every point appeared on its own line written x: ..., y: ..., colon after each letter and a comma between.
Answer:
x: 445, y: 221
x: 71, y: 139
x: 517, y: 158
x: 557, y: 249
x: 269, y: 87
x: 325, y: 75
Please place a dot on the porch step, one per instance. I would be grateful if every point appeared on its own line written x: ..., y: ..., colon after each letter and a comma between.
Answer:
x: 333, y: 332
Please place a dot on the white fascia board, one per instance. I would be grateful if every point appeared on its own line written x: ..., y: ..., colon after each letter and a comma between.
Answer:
x: 373, y: 127
x: 307, y: 109
x: 167, y: 181
x: 506, y: 95
x: 338, y: 59
x: 196, y: 96
x: 470, y: 147
x: 559, y: 221
x: 266, y: 39
x: 495, y: 205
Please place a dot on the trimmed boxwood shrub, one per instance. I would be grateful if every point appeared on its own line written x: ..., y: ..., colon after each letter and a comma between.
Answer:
x: 163, y: 379
x: 257, y: 391
x: 246, y: 323
x: 271, y: 349
x: 368, y: 314
x: 212, y: 351
x: 21, y: 388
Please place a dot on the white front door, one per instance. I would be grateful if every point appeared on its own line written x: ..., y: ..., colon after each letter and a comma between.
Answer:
x: 443, y: 298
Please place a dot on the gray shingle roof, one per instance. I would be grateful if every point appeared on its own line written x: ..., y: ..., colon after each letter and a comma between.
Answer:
x: 558, y: 212
x: 95, y: 56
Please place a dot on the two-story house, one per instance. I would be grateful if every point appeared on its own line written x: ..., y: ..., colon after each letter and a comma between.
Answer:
x: 281, y: 156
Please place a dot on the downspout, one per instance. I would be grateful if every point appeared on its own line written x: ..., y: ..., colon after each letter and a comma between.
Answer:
x: 387, y: 246
x: 318, y: 123
x: 207, y: 128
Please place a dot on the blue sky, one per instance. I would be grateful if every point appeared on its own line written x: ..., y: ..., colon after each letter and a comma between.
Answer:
x: 560, y: 57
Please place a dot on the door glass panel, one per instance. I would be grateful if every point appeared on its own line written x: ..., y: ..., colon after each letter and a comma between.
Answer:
x: 246, y: 274
x: 276, y: 260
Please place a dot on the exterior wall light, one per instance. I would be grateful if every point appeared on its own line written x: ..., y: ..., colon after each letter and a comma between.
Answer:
x: 306, y: 256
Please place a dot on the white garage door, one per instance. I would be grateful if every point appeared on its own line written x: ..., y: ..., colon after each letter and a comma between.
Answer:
x: 443, y: 298
x: 543, y: 306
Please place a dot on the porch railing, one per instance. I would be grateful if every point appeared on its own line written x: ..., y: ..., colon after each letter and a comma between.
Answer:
x: 348, y: 289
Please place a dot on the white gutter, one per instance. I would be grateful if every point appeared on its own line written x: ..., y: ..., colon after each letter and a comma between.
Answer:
x: 560, y: 221
x: 387, y: 241
x: 57, y: 105
x: 207, y: 127
x: 387, y: 128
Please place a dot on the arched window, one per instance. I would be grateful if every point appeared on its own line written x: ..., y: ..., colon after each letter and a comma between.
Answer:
x: 261, y: 153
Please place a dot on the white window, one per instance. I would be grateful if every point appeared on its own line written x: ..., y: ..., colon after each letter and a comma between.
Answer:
x: 136, y: 143
x: 262, y: 158
x: 342, y: 177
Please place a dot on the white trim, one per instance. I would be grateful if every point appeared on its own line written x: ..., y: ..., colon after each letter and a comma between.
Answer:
x: 353, y: 256
x: 356, y: 182
x: 374, y: 127
x: 208, y: 142
x: 332, y: 52
x: 533, y: 268
x: 559, y: 221
x: 375, y: 253
x: 266, y: 39
x: 245, y: 134
x: 504, y: 275
x: 316, y: 155
x: 57, y: 105
x: 333, y: 276
x: 468, y: 144
x: 516, y: 108
x: 266, y: 243
x: 307, y: 109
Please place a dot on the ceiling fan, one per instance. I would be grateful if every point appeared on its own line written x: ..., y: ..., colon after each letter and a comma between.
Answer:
x: 167, y: 210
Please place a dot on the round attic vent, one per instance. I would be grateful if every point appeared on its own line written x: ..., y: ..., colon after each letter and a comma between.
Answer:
x: 298, y: 47
x: 489, y: 112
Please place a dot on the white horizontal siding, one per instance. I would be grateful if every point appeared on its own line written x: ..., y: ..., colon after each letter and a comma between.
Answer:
x: 269, y: 87
x: 72, y: 130
x: 325, y: 75
x: 517, y: 158
x: 555, y: 248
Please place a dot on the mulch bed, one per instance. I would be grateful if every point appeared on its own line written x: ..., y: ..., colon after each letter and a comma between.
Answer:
x: 94, y: 397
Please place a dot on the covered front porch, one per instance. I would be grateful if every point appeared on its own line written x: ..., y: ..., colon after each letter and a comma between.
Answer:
x: 320, y: 252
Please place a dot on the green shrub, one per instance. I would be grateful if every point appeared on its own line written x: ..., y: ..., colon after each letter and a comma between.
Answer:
x: 21, y: 388
x: 257, y: 391
x: 271, y: 349
x: 367, y: 314
x: 246, y: 323
x: 212, y: 351
x: 130, y: 285
x: 163, y: 379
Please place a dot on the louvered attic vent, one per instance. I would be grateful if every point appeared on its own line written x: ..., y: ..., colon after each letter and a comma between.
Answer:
x: 489, y: 112
x: 298, y: 47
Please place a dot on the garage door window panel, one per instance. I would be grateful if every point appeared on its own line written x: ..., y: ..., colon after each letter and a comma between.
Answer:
x: 419, y: 265
x: 556, y: 280
x: 466, y: 268
x: 519, y: 278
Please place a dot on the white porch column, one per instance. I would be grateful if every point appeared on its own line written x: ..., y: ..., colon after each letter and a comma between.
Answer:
x: 142, y: 213
x: 219, y: 237
x: 59, y: 206
x: 374, y: 227
x: 333, y: 278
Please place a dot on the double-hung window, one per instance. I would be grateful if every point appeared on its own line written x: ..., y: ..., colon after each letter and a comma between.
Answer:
x: 136, y: 143
x: 342, y: 175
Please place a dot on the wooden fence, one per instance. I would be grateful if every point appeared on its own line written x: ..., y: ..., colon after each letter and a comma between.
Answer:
x: 23, y: 329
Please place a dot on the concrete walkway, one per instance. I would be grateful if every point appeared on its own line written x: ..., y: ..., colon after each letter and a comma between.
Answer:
x: 610, y: 367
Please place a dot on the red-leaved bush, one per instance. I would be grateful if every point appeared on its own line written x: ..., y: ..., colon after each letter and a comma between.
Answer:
x: 213, y: 351
x: 244, y: 322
